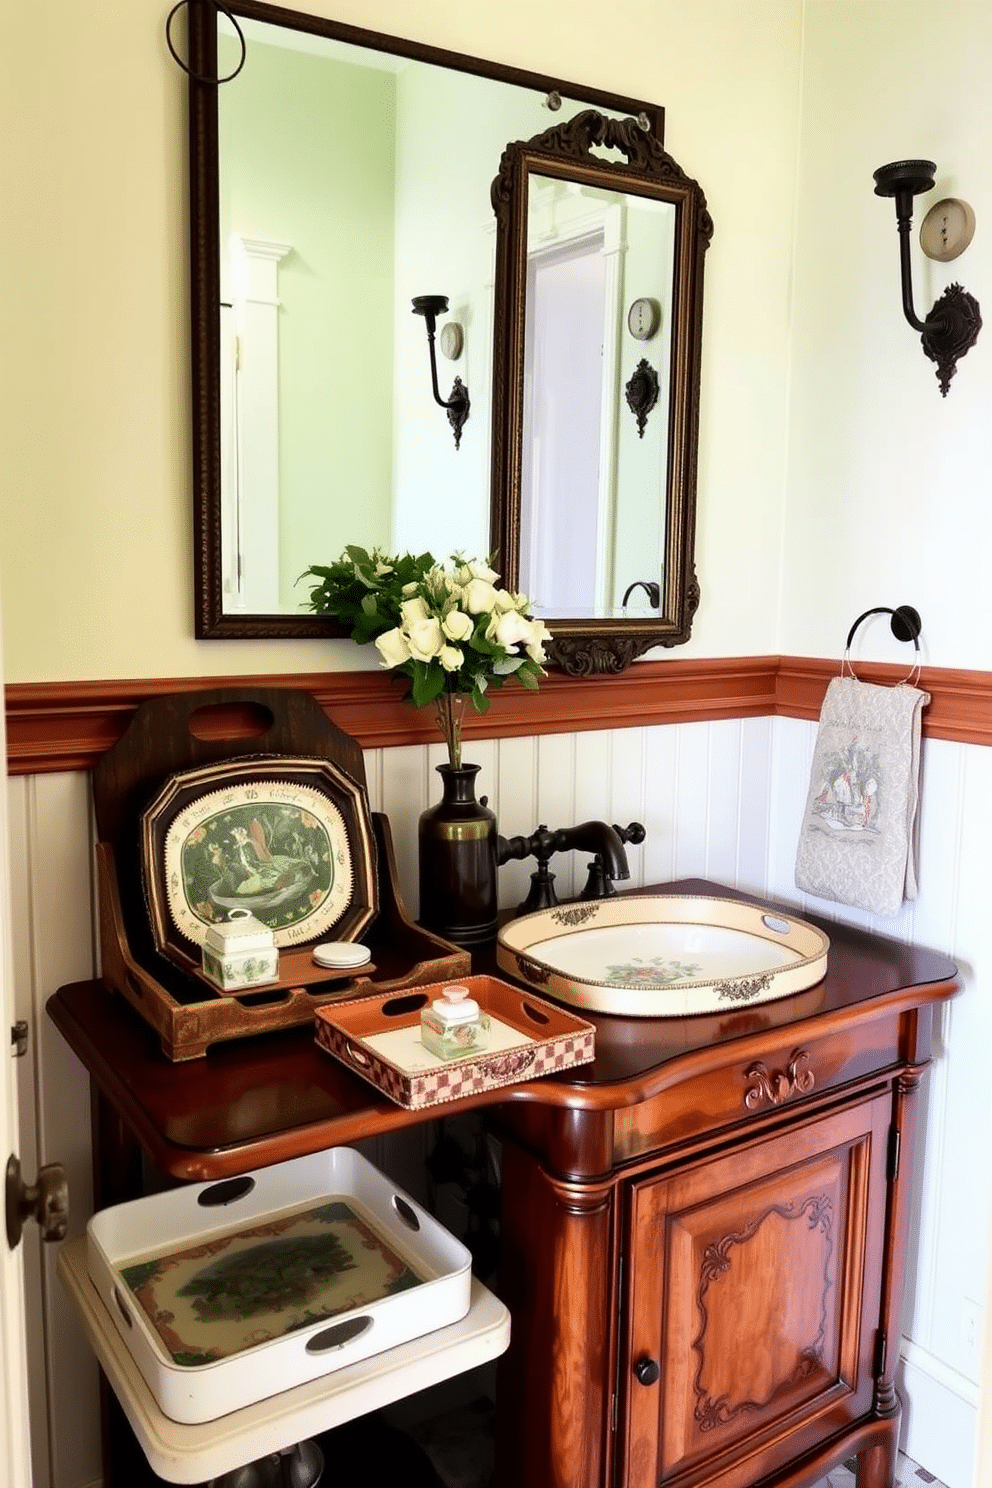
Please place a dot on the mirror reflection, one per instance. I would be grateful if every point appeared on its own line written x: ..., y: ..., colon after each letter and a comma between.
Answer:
x: 593, y: 496
x: 350, y: 181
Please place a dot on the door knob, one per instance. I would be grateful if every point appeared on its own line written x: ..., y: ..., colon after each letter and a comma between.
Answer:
x: 647, y: 1371
x: 47, y: 1200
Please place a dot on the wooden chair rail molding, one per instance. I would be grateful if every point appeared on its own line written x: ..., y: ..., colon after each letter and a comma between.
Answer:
x: 68, y: 725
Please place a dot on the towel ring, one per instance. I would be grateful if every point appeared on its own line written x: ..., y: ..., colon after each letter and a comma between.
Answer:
x: 905, y: 625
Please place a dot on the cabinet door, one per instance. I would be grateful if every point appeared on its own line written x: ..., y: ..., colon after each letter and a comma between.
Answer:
x: 754, y: 1285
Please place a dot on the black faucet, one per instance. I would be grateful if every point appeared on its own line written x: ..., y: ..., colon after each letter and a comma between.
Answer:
x: 598, y: 837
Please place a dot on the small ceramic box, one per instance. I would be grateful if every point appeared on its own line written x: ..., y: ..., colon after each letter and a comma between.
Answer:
x: 240, y: 952
x: 454, y: 1025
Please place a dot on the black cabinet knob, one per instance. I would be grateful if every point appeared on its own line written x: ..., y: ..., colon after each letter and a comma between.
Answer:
x: 647, y: 1371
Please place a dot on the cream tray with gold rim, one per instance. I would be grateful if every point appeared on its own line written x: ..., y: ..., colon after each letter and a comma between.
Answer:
x: 228, y: 1292
x: 663, y: 956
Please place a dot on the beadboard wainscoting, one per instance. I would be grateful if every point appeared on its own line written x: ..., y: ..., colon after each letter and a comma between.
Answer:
x: 720, y: 799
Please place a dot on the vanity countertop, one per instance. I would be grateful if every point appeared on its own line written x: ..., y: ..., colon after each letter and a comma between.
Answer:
x: 250, y: 1103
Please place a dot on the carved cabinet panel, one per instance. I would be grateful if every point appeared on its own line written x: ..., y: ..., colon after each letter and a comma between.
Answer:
x: 754, y: 1285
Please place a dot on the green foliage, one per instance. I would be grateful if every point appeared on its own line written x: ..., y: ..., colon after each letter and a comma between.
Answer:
x: 449, y: 630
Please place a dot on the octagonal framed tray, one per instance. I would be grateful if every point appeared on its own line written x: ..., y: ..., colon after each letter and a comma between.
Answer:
x: 287, y: 838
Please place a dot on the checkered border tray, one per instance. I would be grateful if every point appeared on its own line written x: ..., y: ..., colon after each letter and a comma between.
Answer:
x: 560, y: 1041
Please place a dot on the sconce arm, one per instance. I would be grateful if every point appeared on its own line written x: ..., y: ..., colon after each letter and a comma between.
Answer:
x: 905, y: 223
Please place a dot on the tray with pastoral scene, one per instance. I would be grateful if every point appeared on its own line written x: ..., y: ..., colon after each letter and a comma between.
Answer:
x: 226, y: 1293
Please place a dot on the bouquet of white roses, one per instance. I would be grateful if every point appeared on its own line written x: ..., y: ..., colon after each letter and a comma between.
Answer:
x: 450, y: 630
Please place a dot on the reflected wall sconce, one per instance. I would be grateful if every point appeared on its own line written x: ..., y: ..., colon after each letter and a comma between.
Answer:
x: 951, y: 328
x: 457, y: 405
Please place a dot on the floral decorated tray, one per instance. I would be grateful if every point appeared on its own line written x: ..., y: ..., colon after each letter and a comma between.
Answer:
x: 228, y: 1292
x: 663, y: 956
x: 379, y: 1038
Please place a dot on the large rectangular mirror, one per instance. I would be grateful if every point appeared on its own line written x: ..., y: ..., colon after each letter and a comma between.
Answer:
x: 338, y: 175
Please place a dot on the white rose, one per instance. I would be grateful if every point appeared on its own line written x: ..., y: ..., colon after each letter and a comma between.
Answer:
x: 412, y: 610
x: 450, y: 658
x: 505, y: 601
x: 457, y: 626
x: 474, y: 569
x: 510, y: 629
x: 425, y: 639
x: 534, y: 645
x: 409, y: 589
x: 392, y: 647
x: 381, y: 569
x: 479, y: 597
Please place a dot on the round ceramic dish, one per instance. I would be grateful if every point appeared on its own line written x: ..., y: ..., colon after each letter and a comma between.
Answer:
x: 663, y: 956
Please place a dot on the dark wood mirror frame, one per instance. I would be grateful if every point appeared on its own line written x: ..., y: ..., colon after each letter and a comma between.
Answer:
x: 211, y: 622
x: 583, y: 647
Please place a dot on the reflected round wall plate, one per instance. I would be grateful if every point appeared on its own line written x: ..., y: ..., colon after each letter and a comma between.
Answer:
x: 451, y: 339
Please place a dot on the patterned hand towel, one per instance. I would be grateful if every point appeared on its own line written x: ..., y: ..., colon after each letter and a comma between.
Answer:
x: 856, y: 845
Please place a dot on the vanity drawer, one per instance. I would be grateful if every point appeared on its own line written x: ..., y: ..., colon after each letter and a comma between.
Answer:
x: 753, y: 1084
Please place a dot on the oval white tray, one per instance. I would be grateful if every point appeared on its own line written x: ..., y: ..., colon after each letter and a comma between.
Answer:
x: 663, y: 956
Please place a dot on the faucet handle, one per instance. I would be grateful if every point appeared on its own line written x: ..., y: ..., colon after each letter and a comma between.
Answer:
x: 632, y: 832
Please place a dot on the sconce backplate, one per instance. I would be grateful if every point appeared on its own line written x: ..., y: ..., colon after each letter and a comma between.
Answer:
x: 950, y: 330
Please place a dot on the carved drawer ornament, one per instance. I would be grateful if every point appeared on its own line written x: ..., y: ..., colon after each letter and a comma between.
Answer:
x: 776, y: 1086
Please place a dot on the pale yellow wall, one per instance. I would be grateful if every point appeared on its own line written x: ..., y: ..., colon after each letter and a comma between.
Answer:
x: 94, y: 404
x: 890, y: 485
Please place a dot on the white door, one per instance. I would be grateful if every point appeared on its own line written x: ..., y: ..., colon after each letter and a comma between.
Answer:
x: 15, y: 1454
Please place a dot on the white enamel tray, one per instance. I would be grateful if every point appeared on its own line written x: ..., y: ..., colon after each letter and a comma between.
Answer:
x: 661, y: 956
x: 226, y: 1293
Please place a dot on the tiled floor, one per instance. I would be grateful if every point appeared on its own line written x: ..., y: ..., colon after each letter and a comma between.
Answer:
x: 908, y: 1475
x: 459, y: 1445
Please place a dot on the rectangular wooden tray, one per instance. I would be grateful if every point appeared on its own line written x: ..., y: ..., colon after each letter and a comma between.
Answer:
x: 379, y: 1038
x: 217, y: 1292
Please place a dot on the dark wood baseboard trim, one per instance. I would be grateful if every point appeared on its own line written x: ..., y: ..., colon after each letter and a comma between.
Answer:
x: 68, y: 725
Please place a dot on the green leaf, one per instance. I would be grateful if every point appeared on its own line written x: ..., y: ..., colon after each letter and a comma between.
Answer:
x: 428, y: 682
x: 479, y: 700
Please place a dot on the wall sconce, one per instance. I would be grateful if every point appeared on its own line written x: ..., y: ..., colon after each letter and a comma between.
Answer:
x: 952, y: 326
x: 430, y: 307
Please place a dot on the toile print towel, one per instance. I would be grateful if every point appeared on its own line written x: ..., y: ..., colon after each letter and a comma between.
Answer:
x: 856, y: 845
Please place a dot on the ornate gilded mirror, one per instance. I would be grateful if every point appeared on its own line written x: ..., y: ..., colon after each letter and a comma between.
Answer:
x: 596, y: 399
x: 339, y: 176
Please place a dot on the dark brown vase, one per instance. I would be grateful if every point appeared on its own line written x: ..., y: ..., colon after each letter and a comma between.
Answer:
x: 458, y: 862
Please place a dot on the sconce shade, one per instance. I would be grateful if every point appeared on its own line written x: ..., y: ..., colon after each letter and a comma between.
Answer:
x: 458, y: 404
x: 951, y: 328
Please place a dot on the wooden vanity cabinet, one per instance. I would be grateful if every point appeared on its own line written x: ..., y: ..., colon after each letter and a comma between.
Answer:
x: 703, y: 1232
x: 705, y: 1266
